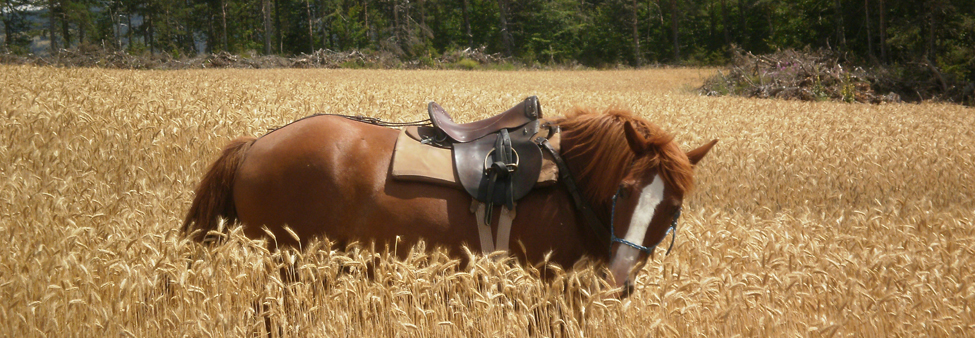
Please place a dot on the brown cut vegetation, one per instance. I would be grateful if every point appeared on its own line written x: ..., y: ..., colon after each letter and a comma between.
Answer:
x: 809, y: 218
x: 824, y: 75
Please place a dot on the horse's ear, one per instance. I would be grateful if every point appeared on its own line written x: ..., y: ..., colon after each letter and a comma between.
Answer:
x: 636, y: 141
x: 697, y: 154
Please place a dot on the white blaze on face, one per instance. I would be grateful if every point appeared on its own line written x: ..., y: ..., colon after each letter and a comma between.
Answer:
x: 626, y: 256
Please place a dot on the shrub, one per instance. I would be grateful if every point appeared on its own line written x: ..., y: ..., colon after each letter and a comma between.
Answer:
x: 467, y: 64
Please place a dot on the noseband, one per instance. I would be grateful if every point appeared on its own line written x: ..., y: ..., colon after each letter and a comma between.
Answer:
x: 672, y: 229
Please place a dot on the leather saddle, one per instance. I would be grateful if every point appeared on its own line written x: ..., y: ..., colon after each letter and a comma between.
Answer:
x: 496, y: 160
x: 526, y: 111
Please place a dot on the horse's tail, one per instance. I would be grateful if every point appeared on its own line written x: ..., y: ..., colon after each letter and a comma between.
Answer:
x: 214, y: 196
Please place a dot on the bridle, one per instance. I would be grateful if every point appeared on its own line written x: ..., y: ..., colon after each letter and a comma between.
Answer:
x: 570, y: 184
x: 672, y: 229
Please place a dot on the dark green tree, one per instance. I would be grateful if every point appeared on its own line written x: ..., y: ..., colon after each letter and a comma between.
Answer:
x: 16, y: 26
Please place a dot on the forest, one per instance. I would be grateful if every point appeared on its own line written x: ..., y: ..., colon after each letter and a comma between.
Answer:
x: 593, y: 33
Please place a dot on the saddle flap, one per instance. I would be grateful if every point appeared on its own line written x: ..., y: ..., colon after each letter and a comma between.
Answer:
x: 471, y: 158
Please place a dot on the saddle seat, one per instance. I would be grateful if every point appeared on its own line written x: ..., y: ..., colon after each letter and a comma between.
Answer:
x: 526, y: 111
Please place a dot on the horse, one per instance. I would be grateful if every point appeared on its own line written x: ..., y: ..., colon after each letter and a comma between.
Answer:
x: 329, y: 176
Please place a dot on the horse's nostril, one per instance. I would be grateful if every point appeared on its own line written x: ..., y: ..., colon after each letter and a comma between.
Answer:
x: 627, y: 288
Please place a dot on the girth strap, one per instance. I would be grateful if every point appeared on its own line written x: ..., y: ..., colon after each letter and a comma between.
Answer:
x: 484, y: 228
x: 504, y: 228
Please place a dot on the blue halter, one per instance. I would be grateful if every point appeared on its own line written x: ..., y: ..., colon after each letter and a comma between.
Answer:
x: 649, y: 250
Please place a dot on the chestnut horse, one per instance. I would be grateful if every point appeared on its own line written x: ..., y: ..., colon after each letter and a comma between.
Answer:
x: 329, y: 176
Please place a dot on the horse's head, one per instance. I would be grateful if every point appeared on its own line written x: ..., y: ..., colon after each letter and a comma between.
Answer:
x: 632, y: 170
x: 649, y: 199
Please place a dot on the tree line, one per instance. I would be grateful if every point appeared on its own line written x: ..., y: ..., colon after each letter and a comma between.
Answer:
x: 590, y: 32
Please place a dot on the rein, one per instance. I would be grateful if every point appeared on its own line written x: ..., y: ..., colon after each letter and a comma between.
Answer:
x: 365, y: 119
x: 381, y: 123
x: 591, y: 219
x: 570, y: 184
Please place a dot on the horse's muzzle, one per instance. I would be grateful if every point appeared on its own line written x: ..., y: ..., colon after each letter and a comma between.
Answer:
x: 627, y: 289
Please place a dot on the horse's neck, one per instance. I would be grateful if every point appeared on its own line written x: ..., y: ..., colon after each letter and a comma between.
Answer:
x: 577, y: 163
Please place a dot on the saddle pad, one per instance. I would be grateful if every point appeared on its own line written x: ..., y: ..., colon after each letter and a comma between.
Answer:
x: 415, y: 161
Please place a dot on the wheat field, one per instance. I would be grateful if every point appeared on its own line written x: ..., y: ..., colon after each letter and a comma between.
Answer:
x: 809, y: 219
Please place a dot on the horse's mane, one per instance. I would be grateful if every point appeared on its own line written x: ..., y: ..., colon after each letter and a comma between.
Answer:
x: 597, y: 142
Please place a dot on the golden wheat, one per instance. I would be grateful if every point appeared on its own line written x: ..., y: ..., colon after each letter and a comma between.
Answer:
x: 810, y: 219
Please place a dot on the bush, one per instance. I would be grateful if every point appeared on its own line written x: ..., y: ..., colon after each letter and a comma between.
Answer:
x: 467, y: 64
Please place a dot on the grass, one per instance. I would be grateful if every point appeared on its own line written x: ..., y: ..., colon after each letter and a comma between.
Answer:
x: 810, y: 218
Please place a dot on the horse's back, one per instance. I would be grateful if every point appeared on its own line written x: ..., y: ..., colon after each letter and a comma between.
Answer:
x: 329, y: 176
x: 298, y: 173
